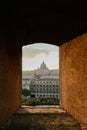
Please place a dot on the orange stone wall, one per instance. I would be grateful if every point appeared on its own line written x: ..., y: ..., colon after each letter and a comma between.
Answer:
x: 73, y: 77
x: 10, y: 79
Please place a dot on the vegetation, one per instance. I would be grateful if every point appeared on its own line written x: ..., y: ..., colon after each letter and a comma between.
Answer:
x: 26, y: 92
x: 40, y: 101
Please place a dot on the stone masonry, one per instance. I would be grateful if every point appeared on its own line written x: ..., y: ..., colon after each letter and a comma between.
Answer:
x: 42, y: 118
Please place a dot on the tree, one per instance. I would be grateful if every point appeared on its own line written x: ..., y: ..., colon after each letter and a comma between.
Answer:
x: 26, y: 92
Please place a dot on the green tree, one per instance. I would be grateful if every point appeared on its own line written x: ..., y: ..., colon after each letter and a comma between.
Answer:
x: 26, y: 92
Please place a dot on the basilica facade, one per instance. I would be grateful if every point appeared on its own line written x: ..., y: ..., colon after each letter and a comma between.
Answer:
x: 41, y: 82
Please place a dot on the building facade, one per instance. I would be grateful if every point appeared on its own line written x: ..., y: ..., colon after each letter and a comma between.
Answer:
x: 26, y: 83
x: 42, y: 82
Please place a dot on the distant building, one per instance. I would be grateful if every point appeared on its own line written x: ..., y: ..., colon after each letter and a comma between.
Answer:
x: 26, y: 83
x: 42, y: 82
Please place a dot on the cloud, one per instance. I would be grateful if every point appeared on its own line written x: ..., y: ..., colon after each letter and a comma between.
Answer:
x: 52, y: 61
x: 33, y: 50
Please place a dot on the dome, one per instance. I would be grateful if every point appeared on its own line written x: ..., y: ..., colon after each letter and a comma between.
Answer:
x: 43, y: 66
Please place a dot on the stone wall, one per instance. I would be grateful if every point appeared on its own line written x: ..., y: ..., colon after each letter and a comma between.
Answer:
x: 10, y: 79
x: 73, y: 77
x: 42, y: 118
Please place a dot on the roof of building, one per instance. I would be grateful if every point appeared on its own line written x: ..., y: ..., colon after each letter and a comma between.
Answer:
x: 43, y: 72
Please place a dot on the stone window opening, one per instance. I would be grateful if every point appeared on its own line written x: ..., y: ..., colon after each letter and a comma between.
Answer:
x: 42, y: 75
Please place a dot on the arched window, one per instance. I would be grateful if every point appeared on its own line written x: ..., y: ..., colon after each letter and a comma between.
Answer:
x: 40, y: 65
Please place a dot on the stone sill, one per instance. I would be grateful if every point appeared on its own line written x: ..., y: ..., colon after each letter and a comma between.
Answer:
x: 45, y: 109
x: 43, y: 118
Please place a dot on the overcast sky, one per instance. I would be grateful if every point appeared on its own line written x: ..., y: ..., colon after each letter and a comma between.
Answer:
x: 33, y: 55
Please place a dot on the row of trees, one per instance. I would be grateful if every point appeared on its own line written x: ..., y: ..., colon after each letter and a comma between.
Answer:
x: 37, y: 101
x: 40, y: 101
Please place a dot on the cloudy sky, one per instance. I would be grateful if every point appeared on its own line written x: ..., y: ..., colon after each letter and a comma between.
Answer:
x: 33, y: 55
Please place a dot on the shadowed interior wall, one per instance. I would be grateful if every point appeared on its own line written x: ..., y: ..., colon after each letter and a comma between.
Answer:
x: 73, y: 77
x: 10, y: 79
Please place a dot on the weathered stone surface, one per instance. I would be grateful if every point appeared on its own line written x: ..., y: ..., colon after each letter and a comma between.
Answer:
x: 40, y: 119
x: 84, y: 126
x: 73, y: 77
x: 10, y: 79
x: 73, y: 83
x: 68, y: 121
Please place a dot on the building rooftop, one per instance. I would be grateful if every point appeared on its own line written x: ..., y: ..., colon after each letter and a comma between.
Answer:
x: 43, y: 71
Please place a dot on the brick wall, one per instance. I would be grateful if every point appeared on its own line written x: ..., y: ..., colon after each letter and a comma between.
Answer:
x: 73, y: 77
